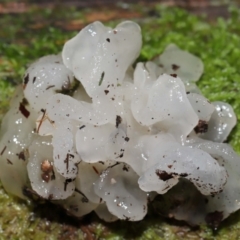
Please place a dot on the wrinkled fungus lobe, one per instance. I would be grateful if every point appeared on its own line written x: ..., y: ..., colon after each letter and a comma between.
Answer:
x: 89, y: 132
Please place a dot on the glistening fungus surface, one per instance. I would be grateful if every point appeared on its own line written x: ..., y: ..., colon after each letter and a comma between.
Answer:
x: 216, y: 43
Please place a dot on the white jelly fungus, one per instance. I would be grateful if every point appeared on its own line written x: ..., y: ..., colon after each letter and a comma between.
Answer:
x: 90, y: 132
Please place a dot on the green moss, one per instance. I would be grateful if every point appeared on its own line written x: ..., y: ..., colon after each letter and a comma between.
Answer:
x: 217, y: 44
x: 6, y: 91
